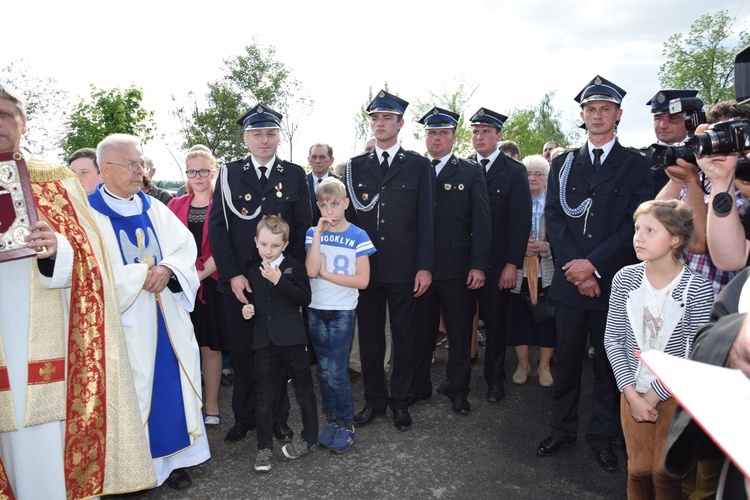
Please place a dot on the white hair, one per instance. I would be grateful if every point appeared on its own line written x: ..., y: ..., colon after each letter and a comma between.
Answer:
x: 114, y: 141
x: 537, y: 161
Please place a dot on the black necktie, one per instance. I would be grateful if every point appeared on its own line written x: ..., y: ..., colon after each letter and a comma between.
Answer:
x: 384, y: 163
x: 598, y: 152
x: 263, y: 178
x: 435, y: 163
x: 484, y: 163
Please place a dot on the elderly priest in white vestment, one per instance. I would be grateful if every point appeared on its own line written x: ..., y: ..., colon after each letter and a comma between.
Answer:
x: 153, y: 255
x: 69, y: 421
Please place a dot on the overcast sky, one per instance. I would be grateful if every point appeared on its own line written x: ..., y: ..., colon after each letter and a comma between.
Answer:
x: 514, y: 51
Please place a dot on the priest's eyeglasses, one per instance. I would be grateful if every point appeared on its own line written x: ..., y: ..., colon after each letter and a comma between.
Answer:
x: 204, y: 172
x: 132, y: 166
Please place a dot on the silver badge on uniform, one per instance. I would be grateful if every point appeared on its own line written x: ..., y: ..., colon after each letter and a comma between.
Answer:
x: 447, y: 187
x: 365, y: 196
x: 248, y: 197
x: 460, y: 187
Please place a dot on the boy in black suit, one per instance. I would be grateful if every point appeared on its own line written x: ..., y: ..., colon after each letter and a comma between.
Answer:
x: 280, y: 288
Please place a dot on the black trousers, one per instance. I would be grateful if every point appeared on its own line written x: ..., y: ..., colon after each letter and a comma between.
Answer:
x: 269, y: 361
x: 457, y: 303
x: 244, y: 393
x: 371, y: 320
x: 493, y: 309
x: 573, y: 325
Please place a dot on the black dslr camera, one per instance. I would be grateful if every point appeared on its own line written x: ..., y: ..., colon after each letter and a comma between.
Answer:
x: 663, y: 156
x: 731, y: 136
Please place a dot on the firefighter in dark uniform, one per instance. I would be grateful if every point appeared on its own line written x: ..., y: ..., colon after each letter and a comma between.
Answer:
x: 510, y: 208
x: 592, y: 194
x: 462, y: 250
x: 391, y: 192
x: 246, y: 190
x: 669, y: 127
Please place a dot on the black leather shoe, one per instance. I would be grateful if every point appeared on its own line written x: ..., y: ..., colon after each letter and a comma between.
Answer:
x: 179, y: 479
x: 495, y: 393
x: 461, y: 406
x: 282, y: 432
x: 227, y: 379
x: 607, y: 459
x: 366, y: 416
x: 401, y: 419
x: 550, y: 446
x: 238, y: 431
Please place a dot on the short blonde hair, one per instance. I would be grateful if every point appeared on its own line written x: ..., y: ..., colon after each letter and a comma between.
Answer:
x: 274, y: 223
x: 331, y: 188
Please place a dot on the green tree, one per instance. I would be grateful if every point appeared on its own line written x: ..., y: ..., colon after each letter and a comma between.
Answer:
x: 214, y: 124
x: 108, y: 112
x: 255, y: 76
x: 531, y: 127
x: 704, y: 59
x: 455, y: 101
x: 46, y: 105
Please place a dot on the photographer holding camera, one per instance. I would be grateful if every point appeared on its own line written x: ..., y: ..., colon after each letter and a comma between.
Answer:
x: 685, y: 183
x: 722, y: 341
x: 669, y: 126
x: 728, y: 232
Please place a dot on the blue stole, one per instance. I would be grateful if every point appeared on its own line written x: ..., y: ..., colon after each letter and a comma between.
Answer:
x: 138, y: 243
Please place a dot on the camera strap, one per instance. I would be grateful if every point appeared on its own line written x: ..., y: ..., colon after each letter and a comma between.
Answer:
x: 723, y: 203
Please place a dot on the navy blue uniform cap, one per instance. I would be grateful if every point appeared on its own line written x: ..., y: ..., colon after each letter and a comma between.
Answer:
x: 260, y: 117
x: 660, y: 102
x: 488, y: 117
x: 600, y: 89
x: 439, y: 118
x: 387, y: 103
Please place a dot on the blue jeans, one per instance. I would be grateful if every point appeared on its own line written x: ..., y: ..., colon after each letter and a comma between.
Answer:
x: 331, y: 333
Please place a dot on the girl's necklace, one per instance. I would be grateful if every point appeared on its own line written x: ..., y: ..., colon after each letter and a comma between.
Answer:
x: 659, y: 320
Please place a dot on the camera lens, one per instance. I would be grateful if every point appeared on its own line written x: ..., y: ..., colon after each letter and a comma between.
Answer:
x: 711, y: 143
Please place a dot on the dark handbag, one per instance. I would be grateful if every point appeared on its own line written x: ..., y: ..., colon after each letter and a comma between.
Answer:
x: 543, y: 310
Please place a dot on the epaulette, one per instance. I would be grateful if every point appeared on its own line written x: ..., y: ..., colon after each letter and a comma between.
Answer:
x: 289, y: 164
x: 513, y: 160
x: 641, y: 153
x: 565, y: 153
x: 367, y: 153
x: 413, y: 153
x: 240, y: 161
